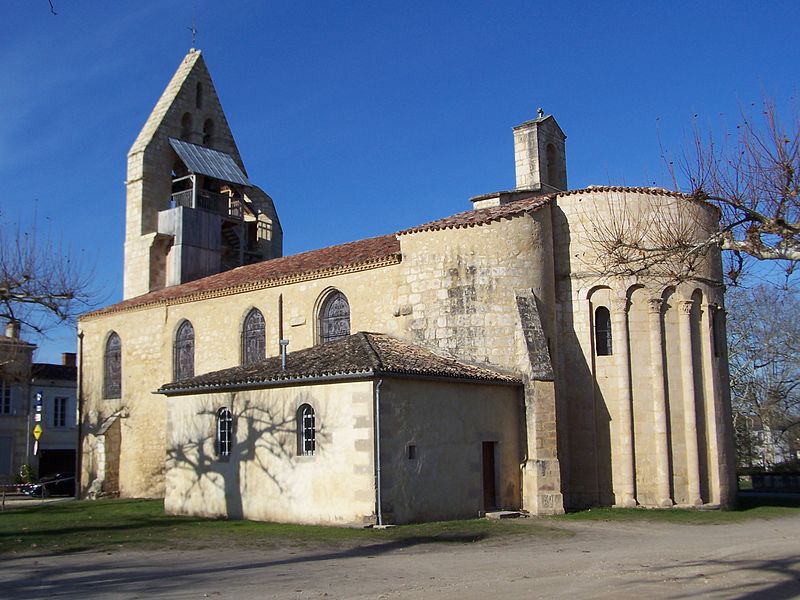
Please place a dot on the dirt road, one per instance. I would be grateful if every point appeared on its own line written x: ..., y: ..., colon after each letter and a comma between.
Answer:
x: 754, y: 559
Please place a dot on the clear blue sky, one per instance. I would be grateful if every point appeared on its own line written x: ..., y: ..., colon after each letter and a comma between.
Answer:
x: 363, y: 118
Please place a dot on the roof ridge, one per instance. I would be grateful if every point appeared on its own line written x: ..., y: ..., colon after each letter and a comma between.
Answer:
x: 379, y: 366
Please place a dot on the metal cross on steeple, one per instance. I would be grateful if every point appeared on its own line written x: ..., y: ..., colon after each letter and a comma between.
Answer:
x: 193, y: 28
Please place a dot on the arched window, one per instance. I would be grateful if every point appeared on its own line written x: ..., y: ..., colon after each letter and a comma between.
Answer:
x: 253, y: 338
x: 184, y: 351
x: 602, y: 331
x: 198, y: 96
x: 186, y: 125
x: 334, y: 318
x: 112, y: 367
x: 306, y: 430
x: 208, y: 131
x: 224, y: 438
x: 552, y: 167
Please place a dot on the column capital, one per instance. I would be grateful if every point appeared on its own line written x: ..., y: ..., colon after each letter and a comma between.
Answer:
x: 686, y: 306
x: 654, y: 305
x: 620, y: 305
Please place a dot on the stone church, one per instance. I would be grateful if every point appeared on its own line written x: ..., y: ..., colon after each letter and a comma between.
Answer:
x: 481, y: 361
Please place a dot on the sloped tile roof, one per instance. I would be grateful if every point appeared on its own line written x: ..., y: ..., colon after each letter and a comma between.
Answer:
x: 362, y: 354
x: 377, y: 251
x: 481, y: 216
x: 333, y: 259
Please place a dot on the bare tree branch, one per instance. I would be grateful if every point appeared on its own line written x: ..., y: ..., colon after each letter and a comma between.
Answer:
x: 750, y: 176
x: 42, y: 284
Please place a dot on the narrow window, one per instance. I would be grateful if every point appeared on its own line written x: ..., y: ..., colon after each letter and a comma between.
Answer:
x: 184, y: 351
x: 5, y: 398
x: 717, y: 329
x: 552, y: 166
x: 253, y: 338
x: 306, y: 430
x: 602, y: 331
x: 412, y: 452
x: 112, y: 367
x: 224, y: 432
x: 334, y: 318
x: 186, y: 125
x: 208, y: 132
x: 59, y: 412
x: 198, y: 96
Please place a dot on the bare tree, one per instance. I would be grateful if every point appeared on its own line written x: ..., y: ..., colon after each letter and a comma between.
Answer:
x: 749, y: 178
x: 764, y: 355
x: 42, y: 284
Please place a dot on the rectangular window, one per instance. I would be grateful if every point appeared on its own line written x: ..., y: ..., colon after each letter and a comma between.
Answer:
x: 5, y: 398
x: 412, y: 452
x: 59, y: 412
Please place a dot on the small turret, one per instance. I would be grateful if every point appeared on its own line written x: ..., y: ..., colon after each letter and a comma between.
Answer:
x: 540, y: 155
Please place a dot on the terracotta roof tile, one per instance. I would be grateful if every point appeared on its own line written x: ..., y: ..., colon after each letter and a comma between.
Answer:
x: 362, y: 354
x: 375, y: 251
x: 362, y: 252
x: 481, y: 216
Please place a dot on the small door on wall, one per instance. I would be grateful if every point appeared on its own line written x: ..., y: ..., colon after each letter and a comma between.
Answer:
x: 489, y: 490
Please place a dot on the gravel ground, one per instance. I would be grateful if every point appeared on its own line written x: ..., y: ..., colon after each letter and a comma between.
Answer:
x: 752, y: 559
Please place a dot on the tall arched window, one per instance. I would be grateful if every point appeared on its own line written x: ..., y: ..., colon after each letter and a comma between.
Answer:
x: 112, y: 367
x: 186, y: 125
x: 224, y: 438
x: 208, y: 132
x: 306, y: 430
x: 184, y: 351
x: 602, y: 331
x: 334, y: 318
x: 253, y: 337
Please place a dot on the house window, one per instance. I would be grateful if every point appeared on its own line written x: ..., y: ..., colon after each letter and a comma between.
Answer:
x: 334, y: 318
x: 59, y: 412
x: 306, y: 431
x: 5, y: 398
x: 602, y: 331
x: 184, y: 351
x: 112, y: 367
x: 224, y: 432
x: 253, y: 338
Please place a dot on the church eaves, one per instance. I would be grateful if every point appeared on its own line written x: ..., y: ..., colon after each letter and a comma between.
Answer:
x: 361, y: 355
x: 353, y: 256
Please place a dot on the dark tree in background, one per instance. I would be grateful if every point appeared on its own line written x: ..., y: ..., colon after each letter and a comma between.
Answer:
x: 764, y: 354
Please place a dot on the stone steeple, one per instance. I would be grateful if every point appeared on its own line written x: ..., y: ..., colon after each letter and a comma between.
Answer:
x: 183, y: 222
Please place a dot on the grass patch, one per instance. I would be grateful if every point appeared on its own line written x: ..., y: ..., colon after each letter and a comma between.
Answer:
x: 108, y: 525
x: 748, y: 507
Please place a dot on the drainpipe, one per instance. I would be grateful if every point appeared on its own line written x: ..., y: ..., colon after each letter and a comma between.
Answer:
x: 378, y: 510
x: 78, y: 419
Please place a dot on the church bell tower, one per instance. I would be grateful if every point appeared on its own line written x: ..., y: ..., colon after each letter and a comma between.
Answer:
x: 191, y: 208
x: 540, y: 155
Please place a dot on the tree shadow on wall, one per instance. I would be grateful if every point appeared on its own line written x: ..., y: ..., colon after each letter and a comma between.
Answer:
x: 263, y: 449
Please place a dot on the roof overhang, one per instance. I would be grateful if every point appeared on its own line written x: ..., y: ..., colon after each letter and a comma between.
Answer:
x: 212, y: 163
